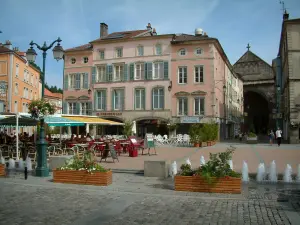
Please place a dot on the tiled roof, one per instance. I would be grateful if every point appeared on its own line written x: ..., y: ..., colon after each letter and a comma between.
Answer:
x: 3, y: 49
x: 189, y: 37
x: 80, y: 48
x: 53, y: 95
x: 122, y: 35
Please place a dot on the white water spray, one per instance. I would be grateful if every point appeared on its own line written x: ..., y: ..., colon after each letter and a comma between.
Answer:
x: 188, y: 162
x: 230, y: 164
x: 173, y: 169
x: 287, y: 177
x: 29, y: 164
x: 2, y: 160
x: 298, y: 174
x: 261, y: 173
x: 202, y: 160
x: 273, y: 172
x: 21, y: 164
x: 11, y: 164
x: 245, y: 172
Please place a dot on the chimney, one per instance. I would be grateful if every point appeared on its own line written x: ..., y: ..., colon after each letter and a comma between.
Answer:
x: 103, y: 30
x: 149, y: 26
x: 8, y: 44
x: 154, y: 32
x: 16, y: 49
x: 286, y: 15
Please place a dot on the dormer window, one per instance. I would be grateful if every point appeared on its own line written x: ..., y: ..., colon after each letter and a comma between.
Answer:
x: 85, y: 59
x: 198, y: 51
x: 182, y: 52
x: 73, y: 60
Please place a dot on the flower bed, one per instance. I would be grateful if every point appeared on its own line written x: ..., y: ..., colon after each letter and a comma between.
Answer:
x: 83, y: 171
x: 214, y: 176
x: 199, y: 184
x: 82, y: 177
x: 2, y: 170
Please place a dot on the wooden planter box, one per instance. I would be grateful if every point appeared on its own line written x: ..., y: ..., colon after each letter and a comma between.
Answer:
x: 198, y: 184
x: 82, y: 177
x: 2, y: 170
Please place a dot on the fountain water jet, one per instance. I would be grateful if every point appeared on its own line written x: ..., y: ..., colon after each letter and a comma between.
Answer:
x: 11, y: 164
x: 202, y: 160
x: 261, y: 173
x: 273, y: 172
x: 230, y: 164
x: 188, y: 162
x: 245, y: 172
x: 29, y: 164
x: 2, y: 161
x: 287, y: 177
x: 21, y: 165
x: 173, y: 169
x: 298, y: 174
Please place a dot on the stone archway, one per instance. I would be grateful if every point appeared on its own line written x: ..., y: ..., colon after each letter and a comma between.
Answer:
x: 258, y: 111
x: 155, y: 125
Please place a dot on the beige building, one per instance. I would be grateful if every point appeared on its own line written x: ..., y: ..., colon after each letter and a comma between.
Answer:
x: 289, y: 54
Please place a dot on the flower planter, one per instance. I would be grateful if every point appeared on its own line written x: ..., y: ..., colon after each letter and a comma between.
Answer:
x: 2, y: 170
x: 204, y: 144
x: 209, y: 143
x: 196, y: 144
x: 82, y: 177
x: 252, y: 140
x: 198, y: 184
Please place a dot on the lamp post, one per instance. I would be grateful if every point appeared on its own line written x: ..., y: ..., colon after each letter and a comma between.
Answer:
x: 224, y: 127
x: 58, y: 52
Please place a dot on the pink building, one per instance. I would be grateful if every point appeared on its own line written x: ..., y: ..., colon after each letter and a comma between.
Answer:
x: 148, y: 78
x: 201, y: 72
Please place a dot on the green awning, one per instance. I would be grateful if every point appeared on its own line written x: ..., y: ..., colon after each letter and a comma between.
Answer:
x: 23, y: 122
x: 62, y: 122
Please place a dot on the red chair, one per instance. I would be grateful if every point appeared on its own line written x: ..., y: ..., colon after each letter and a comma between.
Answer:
x: 118, y: 147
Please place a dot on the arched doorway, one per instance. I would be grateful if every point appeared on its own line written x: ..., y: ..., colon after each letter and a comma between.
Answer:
x: 151, y: 125
x: 257, y: 112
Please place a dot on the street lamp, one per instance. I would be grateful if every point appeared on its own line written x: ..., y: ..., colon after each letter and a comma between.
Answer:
x: 58, y: 53
x: 224, y: 127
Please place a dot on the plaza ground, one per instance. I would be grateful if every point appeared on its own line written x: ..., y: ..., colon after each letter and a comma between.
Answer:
x: 252, y: 154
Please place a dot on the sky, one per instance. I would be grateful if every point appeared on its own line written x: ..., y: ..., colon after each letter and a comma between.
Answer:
x: 234, y: 22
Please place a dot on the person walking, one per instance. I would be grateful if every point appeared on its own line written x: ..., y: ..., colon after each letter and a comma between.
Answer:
x: 271, y: 137
x: 278, y: 136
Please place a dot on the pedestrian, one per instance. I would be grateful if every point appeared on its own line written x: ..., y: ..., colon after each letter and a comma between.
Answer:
x: 278, y: 136
x: 271, y: 137
x: 241, y: 136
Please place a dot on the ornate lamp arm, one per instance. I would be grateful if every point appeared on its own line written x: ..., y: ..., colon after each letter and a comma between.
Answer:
x: 45, y: 48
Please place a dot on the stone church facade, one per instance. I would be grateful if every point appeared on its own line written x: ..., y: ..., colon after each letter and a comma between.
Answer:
x: 259, y: 93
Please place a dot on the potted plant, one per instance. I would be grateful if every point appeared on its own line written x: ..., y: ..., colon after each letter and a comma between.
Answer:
x: 215, y: 176
x: 194, y: 134
x: 252, y: 138
x: 127, y: 128
x: 41, y: 108
x: 204, y: 137
x: 83, y: 171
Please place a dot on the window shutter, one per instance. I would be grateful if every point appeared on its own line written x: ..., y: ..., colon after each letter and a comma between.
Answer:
x: 85, y: 81
x: 162, y: 98
x: 65, y: 107
x: 93, y: 74
x: 112, y: 100
x: 95, y: 100
x: 77, y: 80
x: 90, y: 105
x: 104, y: 100
x: 143, y: 106
x: 77, y: 108
x: 186, y: 106
x: 134, y: 98
x: 125, y: 76
x: 123, y: 99
x: 152, y: 99
x: 146, y: 71
x: 109, y: 73
x: 149, y: 70
x: 66, y: 82
x: 166, y: 70
x: 131, y: 71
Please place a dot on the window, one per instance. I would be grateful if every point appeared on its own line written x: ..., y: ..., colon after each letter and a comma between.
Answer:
x: 16, y: 89
x: 119, y: 52
x: 182, y: 52
x: 182, y: 75
x: 118, y: 72
x: 25, y: 74
x: 31, y: 79
x: 73, y: 60
x: 17, y: 70
x: 24, y: 93
x: 101, y: 53
x: 16, y: 107
x: 101, y: 100
x: 199, y: 74
x: 139, y: 99
x: 182, y: 106
x: 30, y: 97
x: 158, y: 98
x: 36, y: 82
x: 199, y: 106
x: 85, y: 59
x: 140, y: 50
x: 84, y: 108
x: 139, y: 71
x: 101, y: 74
x: 158, y: 50
x: 23, y: 107
x: 118, y: 99
x: 198, y: 51
x: 158, y: 70
x: 72, y: 108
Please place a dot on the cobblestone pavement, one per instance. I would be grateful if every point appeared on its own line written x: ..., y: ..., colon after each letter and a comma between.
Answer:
x: 133, y: 199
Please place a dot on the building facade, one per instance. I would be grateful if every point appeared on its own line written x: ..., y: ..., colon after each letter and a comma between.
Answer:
x: 204, y: 86
x: 289, y: 89
x: 54, y: 98
x: 141, y: 76
x: 20, y: 78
